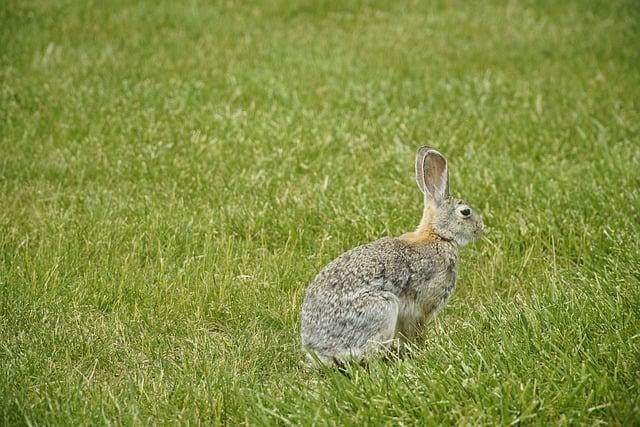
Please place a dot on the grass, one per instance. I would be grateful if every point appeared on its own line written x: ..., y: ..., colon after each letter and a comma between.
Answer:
x: 174, y: 174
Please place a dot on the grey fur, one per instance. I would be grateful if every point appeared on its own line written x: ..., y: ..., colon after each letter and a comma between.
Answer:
x: 371, y: 296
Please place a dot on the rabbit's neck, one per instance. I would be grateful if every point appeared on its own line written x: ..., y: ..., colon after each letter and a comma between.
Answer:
x: 425, y: 234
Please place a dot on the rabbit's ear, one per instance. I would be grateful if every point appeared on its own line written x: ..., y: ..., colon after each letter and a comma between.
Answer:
x: 435, y: 175
x: 420, y: 155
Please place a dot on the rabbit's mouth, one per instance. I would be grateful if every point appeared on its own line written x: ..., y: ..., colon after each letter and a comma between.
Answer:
x: 477, y: 232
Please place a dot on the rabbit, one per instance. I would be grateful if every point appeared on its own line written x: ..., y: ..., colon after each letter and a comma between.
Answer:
x: 372, y: 298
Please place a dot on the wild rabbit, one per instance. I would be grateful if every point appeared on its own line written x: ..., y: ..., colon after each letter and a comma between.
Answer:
x: 373, y: 295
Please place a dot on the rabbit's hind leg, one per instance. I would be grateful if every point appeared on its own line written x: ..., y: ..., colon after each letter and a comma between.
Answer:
x: 370, y: 326
x: 361, y: 326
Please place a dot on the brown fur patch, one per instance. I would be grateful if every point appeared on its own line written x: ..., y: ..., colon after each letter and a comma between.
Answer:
x: 420, y: 238
x: 424, y: 234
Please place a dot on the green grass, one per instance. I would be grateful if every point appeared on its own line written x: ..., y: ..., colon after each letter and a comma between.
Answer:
x: 173, y: 175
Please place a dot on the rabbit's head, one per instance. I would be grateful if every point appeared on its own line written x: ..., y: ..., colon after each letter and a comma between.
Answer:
x: 444, y: 216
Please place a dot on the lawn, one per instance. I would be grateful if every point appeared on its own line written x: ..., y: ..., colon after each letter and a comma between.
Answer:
x: 173, y: 174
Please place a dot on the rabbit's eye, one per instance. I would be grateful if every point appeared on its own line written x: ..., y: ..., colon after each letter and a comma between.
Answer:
x: 465, y: 212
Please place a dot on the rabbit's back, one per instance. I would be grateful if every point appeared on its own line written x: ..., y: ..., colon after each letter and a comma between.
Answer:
x: 389, y: 264
x: 382, y: 264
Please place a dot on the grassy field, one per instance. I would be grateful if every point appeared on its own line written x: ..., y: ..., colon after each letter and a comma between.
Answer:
x: 173, y: 175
